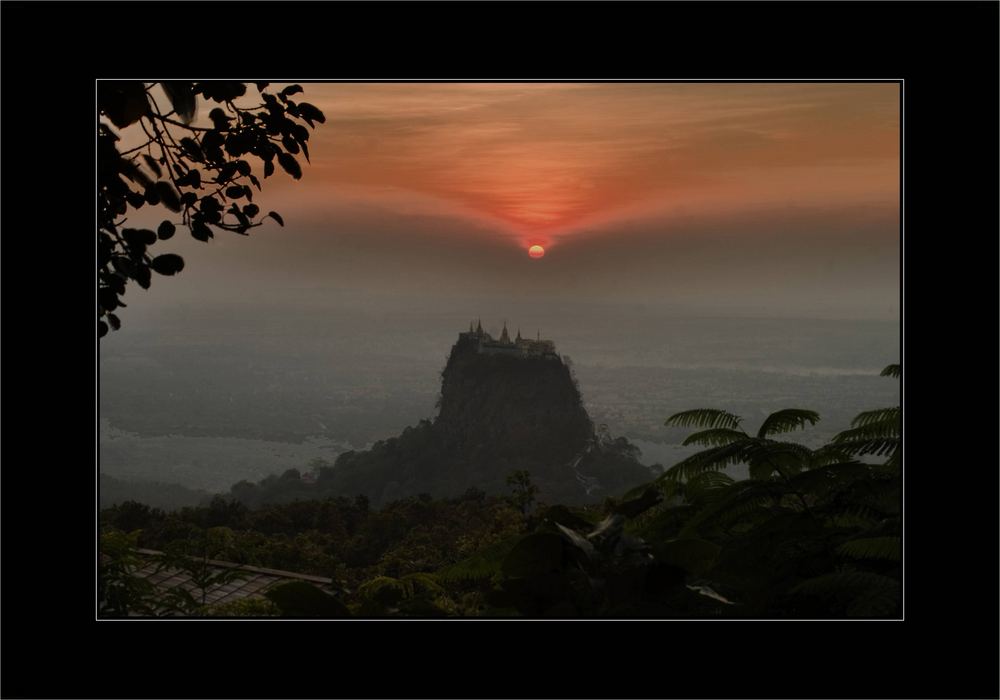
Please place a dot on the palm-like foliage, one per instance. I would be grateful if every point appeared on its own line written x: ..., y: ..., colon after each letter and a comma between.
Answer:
x: 892, y: 371
x: 811, y: 532
x: 704, y: 418
x: 729, y: 445
x: 786, y: 420
x: 876, y: 432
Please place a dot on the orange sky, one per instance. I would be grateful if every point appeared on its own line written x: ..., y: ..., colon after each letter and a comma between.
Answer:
x: 545, y: 161
x: 707, y: 195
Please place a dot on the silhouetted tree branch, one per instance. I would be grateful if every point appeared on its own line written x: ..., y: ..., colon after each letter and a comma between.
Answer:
x: 199, y: 174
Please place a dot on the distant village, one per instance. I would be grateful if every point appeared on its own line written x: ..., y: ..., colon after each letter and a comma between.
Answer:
x: 486, y: 344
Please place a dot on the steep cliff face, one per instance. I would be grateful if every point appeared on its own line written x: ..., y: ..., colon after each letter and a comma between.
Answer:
x: 500, y: 411
x: 504, y: 406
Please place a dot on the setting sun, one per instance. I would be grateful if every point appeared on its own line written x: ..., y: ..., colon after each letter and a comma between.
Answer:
x: 536, y: 251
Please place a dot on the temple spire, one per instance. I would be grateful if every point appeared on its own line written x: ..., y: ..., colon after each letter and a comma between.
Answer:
x: 479, y: 326
x: 504, y: 336
x: 519, y: 335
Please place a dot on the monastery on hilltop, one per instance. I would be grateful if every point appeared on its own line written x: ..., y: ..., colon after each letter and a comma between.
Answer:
x: 485, y: 344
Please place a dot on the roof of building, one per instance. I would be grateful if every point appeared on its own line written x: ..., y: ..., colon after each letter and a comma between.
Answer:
x: 255, y: 582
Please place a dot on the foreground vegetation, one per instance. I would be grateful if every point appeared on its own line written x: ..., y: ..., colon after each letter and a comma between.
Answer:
x: 810, y: 533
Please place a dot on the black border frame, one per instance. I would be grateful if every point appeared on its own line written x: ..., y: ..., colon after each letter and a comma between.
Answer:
x: 945, y: 52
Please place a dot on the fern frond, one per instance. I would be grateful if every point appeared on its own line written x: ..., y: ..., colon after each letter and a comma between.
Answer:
x: 852, y: 519
x: 715, y: 437
x: 893, y: 460
x: 861, y: 445
x: 822, y: 480
x: 704, y: 418
x: 879, y: 416
x: 709, y: 481
x: 828, y: 455
x: 892, y: 371
x: 886, y: 548
x: 707, y: 485
x: 742, y: 498
x: 422, y: 581
x: 766, y: 456
x: 714, y: 459
x: 866, y: 594
x: 384, y: 586
x: 481, y: 566
x: 786, y: 420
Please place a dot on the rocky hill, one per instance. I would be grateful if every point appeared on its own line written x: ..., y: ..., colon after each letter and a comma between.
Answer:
x: 505, y: 405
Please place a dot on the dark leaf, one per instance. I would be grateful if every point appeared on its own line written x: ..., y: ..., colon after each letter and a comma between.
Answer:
x: 311, y: 113
x: 152, y: 164
x: 117, y: 285
x: 211, y: 144
x: 290, y: 90
x: 114, y: 321
x: 123, y: 101
x: 188, y: 198
x: 191, y: 179
x: 243, y: 168
x: 236, y: 145
x: 234, y: 192
x: 261, y: 86
x: 142, y: 276
x: 181, y: 96
x: 152, y: 195
x: 200, y: 230
x: 138, y: 236
x: 192, y: 149
x: 107, y: 300
x: 168, y: 264
x: 166, y: 230
x: 268, y: 168
x: 244, y: 223
x: 290, y: 145
x: 169, y: 196
x: 220, y: 120
x: 305, y: 151
x: 210, y: 203
x: 124, y: 266
x: 277, y: 217
x: 255, y: 181
x: 251, y: 210
x: 221, y: 90
x: 226, y: 172
x: 135, y: 199
x: 290, y: 165
x: 300, y: 133
x: 102, y: 329
x: 133, y: 172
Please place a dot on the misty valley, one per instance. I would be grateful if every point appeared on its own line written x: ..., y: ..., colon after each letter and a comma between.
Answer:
x: 416, y: 482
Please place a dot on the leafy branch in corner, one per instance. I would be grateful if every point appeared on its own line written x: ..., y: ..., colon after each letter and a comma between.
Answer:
x: 203, y: 176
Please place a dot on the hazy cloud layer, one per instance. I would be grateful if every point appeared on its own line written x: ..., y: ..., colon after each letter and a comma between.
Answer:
x: 747, y: 198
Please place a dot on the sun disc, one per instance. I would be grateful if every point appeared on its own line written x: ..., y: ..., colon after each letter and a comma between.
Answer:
x: 536, y: 251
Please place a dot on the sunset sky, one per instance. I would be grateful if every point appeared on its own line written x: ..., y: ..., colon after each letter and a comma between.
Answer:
x: 749, y: 196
